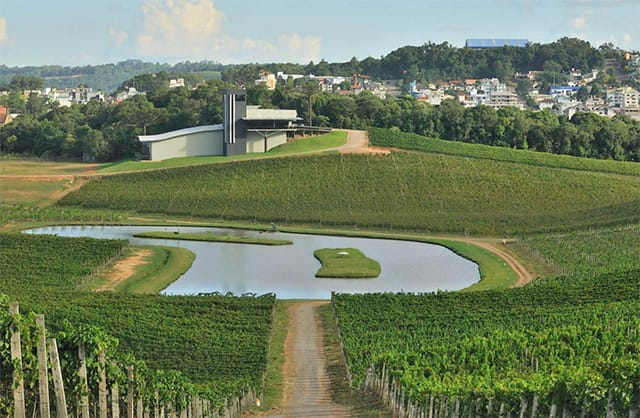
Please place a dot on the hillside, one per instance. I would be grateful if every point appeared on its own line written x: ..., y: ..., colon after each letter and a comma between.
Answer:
x: 419, y: 191
x: 105, y: 77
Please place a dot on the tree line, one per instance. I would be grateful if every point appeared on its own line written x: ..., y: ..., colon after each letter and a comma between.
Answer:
x: 584, y: 135
x: 106, y: 132
x: 433, y: 62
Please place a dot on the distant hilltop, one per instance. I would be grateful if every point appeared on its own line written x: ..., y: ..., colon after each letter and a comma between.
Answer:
x: 485, y: 43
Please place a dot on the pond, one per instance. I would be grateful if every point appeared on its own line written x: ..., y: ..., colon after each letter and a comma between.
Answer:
x: 289, y: 270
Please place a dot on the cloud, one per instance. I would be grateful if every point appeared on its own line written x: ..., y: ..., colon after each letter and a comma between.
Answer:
x: 300, y: 48
x: 4, y: 35
x: 578, y: 22
x: 118, y: 37
x: 179, y: 27
x: 193, y: 29
x: 627, y: 38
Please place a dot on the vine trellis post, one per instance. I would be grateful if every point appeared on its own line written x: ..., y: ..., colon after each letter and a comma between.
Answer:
x: 43, y: 381
x: 16, y: 357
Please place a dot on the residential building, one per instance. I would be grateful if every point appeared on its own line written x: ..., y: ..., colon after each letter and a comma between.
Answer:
x: 625, y: 97
x: 567, y: 91
x: 5, y: 116
x: 267, y: 79
x: 176, y: 82
x: 502, y: 98
x: 131, y: 92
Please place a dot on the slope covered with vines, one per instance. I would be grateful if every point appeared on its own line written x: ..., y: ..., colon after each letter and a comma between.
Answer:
x: 571, y: 342
x: 404, y: 190
x: 219, y: 342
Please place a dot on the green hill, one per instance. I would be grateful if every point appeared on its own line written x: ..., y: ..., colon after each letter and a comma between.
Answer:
x: 418, y: 191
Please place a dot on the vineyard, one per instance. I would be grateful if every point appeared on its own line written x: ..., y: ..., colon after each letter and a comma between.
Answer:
x: 218, y: 343
x: 559, y: 347
x: 32, y: 213
x: 589, y: 252
x: 566, y: 346
x: 395, y: 139
x: 401, y: 191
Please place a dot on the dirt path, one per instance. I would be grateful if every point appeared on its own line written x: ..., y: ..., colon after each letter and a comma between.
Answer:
x: 306, y: 389
x: 358, y: 143
x: 524, y: 276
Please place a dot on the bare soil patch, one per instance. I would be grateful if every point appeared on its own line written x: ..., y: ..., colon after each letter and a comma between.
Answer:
x: 358, y: 143
x: 124, y: 269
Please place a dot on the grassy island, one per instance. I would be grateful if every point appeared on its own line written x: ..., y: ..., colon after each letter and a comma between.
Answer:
x: 209, y: 237
x: 346, y: 263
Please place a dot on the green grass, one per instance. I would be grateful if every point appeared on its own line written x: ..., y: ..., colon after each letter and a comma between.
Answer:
x: 274, y: 380
x: 210, y: 237
x: 345, y: 263
x: 494, y: 272
x: 311, y: 144
x: 402, y: 191
x: 304, y: 145
x: 162, y: 267
x: 165, y: 266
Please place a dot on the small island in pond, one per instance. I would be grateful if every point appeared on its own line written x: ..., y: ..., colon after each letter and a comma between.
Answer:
x: 346, y: 263
x: 210, y: 237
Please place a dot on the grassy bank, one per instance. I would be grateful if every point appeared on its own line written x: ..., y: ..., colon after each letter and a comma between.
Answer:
x: 159, y: 269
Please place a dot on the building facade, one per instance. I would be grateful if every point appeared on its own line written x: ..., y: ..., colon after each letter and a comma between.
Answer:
x: 244, y: 129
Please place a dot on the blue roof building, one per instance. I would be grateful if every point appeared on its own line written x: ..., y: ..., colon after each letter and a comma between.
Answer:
x: 495, y: 43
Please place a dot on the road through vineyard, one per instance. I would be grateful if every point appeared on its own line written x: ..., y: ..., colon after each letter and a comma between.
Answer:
x: 306, y: 392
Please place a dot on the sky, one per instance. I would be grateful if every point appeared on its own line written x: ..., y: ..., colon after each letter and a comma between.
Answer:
x: 81, y: 32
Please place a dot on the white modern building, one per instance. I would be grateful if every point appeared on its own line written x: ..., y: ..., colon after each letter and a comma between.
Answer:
x: 245, y: 129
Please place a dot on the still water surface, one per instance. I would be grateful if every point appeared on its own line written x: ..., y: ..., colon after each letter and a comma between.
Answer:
x: 289, y: 270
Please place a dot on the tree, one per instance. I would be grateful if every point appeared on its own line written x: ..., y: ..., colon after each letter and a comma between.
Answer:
x: 452, y: 120
x: 138, y: 112
x: 259, y: 95
x: 523, y: 88
x: 36, y: 104
x: 310, y: 89
x: 582, y: 94
x: 21, y: 83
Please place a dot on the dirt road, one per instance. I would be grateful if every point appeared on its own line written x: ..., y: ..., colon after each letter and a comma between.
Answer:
x: 306, y: 390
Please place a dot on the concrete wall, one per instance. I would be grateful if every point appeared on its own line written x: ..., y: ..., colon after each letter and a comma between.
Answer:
x: 188, y: 145
x: 255, y: 141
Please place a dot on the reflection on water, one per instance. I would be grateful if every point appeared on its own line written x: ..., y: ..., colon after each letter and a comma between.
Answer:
x: 289, y: 270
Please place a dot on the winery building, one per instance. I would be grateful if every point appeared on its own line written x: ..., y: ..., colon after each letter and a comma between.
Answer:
x: 244, y: 129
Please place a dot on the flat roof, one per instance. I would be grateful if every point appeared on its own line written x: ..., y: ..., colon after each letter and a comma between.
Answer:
x: 179, y: 132
x: 256, y: 113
